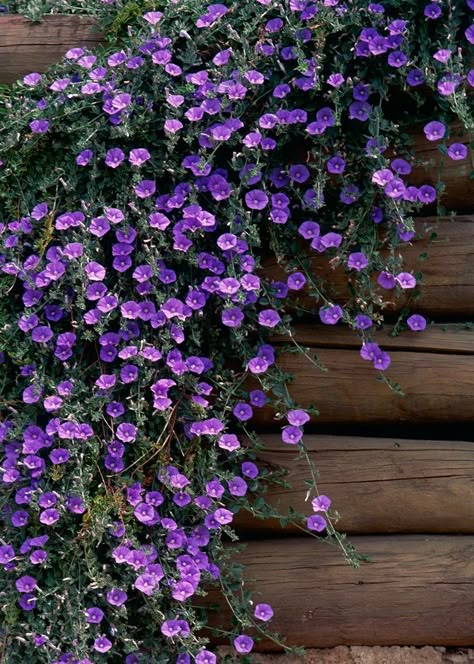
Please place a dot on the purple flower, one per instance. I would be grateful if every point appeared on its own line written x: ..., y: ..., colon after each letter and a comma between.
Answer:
x: 102, y: 644
x: 291, y: 435
x: 336, y: 165
x: 205, y: 657
x: 237, y: 486
x: 395, y: 188
x: 7, y: 554
x: 116, y: 597
x: 426, y: 194
x: 448, y: 84
x: 243, y: 643
x: 145, y: 188
x: 223, y: 516
x: 94, y: 615
x: 39, y: 126
x: 335, y: 80
x: 242, y: 411
x: 330, y: 315
x: 363, y: 322
x: 443, y: 55
x: 256, y: 199
x: 32, y: 80
x: 299, y: 173
x: 94, y: 271
x: 146, y: 583
x: 405, y: 280
x: 296, y: 281
x: 27, y: 602
x: 309, y: 230
x: 49, y: 516
x: 263, y: 612
x: 432, y: 11
x: 114, y: 157
x: 269, y: 318
x: 386, y: 280
x: 316, y: 522
x: 321, y: 503
x: 416, y: 322
x: 59, y: 456
x: 182, y: 590
x: 146, y: 513
x: 359, y: 110
x: 228, y: 442
x: 126, y: 432
x: 357, y: 261
x: 297, y: 417
x: 331, y: 240
x: 138, y: 156
x: 326, y: 117
x: 382, y: 361
x: 75, y: 505
x: 361, y: 92
x: 173, y: 126
x: 434, y: 131
x: 26, y: 584
x: 153, y: 17
x: 401, y: 166
x: 42, y: 334
x: 250, y: 470
x: 368, y: 351
x: 397, y: 59
x: 457, y: 151
x: 232, y: 317
x: 84, y: 157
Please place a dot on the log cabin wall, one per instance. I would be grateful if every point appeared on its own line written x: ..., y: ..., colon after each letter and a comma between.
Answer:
x: 405, y: 500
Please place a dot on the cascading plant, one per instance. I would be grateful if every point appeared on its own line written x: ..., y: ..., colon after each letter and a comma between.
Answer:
x: 142, y: 188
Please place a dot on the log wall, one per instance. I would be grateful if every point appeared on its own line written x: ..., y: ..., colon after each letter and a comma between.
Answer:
x: 407, y: 503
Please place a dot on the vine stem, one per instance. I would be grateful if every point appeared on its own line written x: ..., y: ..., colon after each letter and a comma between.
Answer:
x: 302, y: 350
x: 332, y: 531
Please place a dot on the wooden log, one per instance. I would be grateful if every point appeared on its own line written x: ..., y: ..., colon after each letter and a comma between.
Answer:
x: 447, y: 289
x: 416, y: 590
x: 453, y: 338
x: 27, y: 47
x: 438, y: 385
x: 378, y: 485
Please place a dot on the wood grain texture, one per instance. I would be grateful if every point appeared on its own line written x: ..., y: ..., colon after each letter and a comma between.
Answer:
x: 438, y: 386
x: 377, y: 485
x: 447, y: 289
x: 26, y: 46
x: 416, y: 591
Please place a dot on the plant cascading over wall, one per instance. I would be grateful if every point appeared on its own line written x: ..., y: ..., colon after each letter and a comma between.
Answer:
x: 142, y: 187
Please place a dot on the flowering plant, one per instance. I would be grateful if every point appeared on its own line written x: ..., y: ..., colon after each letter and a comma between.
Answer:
x: 141, y: 188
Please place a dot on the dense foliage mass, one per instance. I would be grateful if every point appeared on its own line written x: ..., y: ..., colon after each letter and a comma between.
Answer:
x: 141, y: 187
